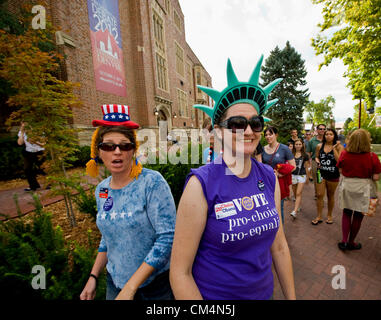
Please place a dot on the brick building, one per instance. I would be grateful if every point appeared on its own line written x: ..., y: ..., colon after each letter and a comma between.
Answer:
x: 160, y: 71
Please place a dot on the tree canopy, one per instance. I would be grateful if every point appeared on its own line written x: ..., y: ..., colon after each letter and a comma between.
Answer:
x: 287, y: 63
x: 320, y: 112
x: 29, y: 63
x: 351, y: 31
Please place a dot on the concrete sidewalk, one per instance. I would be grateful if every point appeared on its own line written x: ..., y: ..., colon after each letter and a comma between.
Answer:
x: 315, y: 254
x: 8, y: 208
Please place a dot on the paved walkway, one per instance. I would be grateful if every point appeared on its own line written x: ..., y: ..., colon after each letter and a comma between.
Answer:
x: 315, y: 254
x: 313, y: 248
x: 8, y: 207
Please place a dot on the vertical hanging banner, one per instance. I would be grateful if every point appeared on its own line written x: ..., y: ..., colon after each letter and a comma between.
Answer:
x: 106, y: 45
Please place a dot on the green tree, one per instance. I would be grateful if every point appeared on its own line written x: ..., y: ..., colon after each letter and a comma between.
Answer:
x: 10, y: 23
x: 320, y: 112
x: 39, y: 98
x: 366, y: 119
x: 351, y: 31
x: 346, y: 123
x: 287, y: 113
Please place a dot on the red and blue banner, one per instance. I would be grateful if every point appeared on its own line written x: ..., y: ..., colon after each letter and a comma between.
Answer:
x: 106, y: 45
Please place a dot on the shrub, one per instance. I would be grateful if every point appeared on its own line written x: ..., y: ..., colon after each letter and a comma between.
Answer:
x: 12, y: 162
x: 11, y: 159
x: 82, y: 156
x: 175, y: 174
x: 24, y: 245
x: 375, y: 134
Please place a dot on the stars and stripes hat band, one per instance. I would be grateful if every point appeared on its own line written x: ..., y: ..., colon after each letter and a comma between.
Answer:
x: 115, y: 115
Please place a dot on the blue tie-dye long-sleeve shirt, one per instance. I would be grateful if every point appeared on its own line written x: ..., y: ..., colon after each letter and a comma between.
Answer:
x: 137, y: 224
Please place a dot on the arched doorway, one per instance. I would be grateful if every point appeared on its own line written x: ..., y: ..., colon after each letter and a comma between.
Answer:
x: 163, y: 122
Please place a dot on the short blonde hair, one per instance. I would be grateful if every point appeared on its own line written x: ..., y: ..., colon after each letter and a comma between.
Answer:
x: 359, y: 141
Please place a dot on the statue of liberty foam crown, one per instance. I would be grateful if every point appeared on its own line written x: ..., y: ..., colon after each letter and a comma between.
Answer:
x: 239, y: 92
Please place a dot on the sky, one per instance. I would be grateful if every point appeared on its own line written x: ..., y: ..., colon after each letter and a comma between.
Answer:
x: 242, y: 30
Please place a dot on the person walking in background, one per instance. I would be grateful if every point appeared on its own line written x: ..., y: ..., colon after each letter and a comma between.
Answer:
x: 300, y: 175
x: 275, y: 154
x: 307, y: 138
x: 293, y: 135
x: 258, y: 152
x: 311, y: 150
x: 341, y: 137
x: 326, y: 156
x: 291, y: 192
x: 136, y: 215
x: 208, y: 154
x: 360, y: 169
x: 33, y: 158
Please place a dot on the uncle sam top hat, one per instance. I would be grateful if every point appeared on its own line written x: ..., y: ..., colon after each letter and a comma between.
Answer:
x: 115, y: 115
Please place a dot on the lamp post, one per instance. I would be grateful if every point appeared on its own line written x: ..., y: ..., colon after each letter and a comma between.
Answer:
x: 360, y: 114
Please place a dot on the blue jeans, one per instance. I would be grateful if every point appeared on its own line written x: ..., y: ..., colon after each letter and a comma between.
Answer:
x: 158, y: 289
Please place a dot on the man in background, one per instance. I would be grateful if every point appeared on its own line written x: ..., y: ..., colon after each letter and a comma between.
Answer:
x: 312, y: 148
x: 33, y: 158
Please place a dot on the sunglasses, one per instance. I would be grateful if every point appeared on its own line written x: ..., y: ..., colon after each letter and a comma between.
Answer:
x: 321, y: 129
x: 109, y: 146
x: 240, y: 123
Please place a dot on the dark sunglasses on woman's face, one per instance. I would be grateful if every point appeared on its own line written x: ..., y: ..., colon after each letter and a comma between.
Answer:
x: 109, y: 146
x: 240, y: 123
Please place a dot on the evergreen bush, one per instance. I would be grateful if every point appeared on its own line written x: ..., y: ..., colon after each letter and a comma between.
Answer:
x: 24, y: 245
x: 11, y: 159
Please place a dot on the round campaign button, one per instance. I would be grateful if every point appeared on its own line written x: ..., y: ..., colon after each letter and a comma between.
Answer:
x: 261, y: 185
x: 108, y: 204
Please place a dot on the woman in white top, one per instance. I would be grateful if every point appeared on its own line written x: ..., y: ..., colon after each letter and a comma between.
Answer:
x: 33, y: 156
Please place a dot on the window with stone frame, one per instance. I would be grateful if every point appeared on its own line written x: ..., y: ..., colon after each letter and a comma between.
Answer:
x: 158, y: 28
x: 182, y: 102
x: 179, y: 59
x: 198, y: 80
x: 189, y: 75
x: 162, y: 72
x: 168, y: 6
x: 177, y: 20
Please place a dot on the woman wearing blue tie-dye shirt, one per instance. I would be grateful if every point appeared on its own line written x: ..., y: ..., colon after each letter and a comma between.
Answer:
x: 136, y: 216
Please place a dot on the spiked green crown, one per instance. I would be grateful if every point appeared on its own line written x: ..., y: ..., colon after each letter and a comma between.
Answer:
x: 239, y: 92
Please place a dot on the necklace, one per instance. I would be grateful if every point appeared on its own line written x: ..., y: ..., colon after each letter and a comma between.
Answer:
x: 272, y: 149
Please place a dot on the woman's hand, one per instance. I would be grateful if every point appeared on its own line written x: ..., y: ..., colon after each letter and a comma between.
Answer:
x: 126, y: 293
x: 89, y: 291
x: 336, y: 147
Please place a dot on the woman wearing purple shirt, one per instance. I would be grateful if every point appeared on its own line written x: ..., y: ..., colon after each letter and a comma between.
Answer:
x: 228, y: 231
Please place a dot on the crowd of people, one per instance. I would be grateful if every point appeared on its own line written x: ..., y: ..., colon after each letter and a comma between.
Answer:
x: 226, y: 236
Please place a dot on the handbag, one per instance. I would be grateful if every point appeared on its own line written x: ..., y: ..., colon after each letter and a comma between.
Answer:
x: 373, y: 203
x: 373, y: 200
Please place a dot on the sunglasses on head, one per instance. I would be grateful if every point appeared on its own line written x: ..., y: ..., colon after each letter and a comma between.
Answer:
x: 240, y: 123
x: 109, y: 146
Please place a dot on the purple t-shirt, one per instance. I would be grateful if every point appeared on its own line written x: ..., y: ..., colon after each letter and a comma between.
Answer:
x: 233, y: 261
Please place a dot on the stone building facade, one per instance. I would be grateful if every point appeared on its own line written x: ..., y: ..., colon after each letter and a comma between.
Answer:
x: 161, y: 71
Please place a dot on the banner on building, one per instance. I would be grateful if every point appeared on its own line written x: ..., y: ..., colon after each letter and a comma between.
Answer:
x: 106, y: 45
